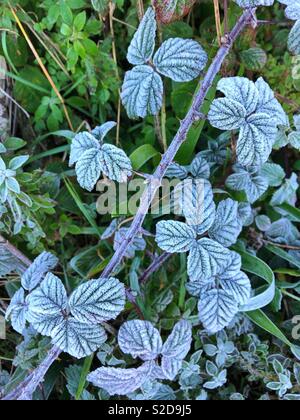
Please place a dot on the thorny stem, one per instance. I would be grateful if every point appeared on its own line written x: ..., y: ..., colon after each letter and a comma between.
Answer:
x: 155, y: 266
x: 26, y: 389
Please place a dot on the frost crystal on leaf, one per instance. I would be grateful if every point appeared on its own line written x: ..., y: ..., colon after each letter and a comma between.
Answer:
x: 180, y: 59
x: 140, y: 339
x: 50, y: 298
x: 17, y: 311
x: 227, y: 226
x: 98, y: 301
x: 175, y: 236
x: 248, y: 180
x: 222, y: 294
x: 121, y: 381
x: 254, y: 3
x: 206, y: 258
x: 78, y: 339
x: 293, y: 12
x: 143, y: 43
x: 36, y: 272
x: 252, y: 108
x: 142, y: 92
x: 92, y: 157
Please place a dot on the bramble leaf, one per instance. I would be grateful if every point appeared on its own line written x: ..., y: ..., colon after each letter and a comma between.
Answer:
x: 101, y: 131
x: 248, y: 180
x: 97, y: 301
x: 227, y: 226
x: 242, y: 90
x: 227, y: 114
x: 142, y: 92
x: 44, y: 324
x: 17, y: 311
x: 115, y: 164
x: 273, y: 173
x: 50, y: 298
x: 268, y: 104
x: 40, y: 266
x: 89, y: 168
x: 206, y: 258
x: 81, y: 143
x: 256, y: 140
x: 143, y: 43
x: 179, y: 341
x: 175, y: 237
x: 176, y: 171
x: 200, y: 168
x: 78, y: 339
x: 140, y: 339
x: 194, y: 200
x: 216, y: 310
x: 182, y: 60
x: 121, y: 381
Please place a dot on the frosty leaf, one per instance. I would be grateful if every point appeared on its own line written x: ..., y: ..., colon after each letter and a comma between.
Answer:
x: 142, y: 92
x: 249, y: 181
x: 294, y: 39
x: 293, y: 9
x: 237, y: 286
x: 110, y: 230
x: 294, y: 139
x: 143, y: 43
x: 88, y: 169
x: 179, y: 341
x: 268, y: 104
x: 263, y: 222
x: 97, y: 301
x: 256, y: 140
x: 175, y: 237
x: 78, y: 339
x: 200, y: 168
x: 227, y: 114
x: 287, y: 193
x: 194, y: 200
x: 171, y: 10
x: 242, y: 90
x: 17, y: 311
x: 140, y: 339
x: 227, y: 226
x: 273, y: 173
x: 44, y: 324
x: 254, y: 3
x: 282, y: 231
x: 216, y: 310
x: 180, y: 59
x: 171, y: 367
x: 297, y: 122
x: 81, y: 143
x: 40, y: 266
x: 245, y: 214
x: 50, y: 298
x: 101, y: 131
x: 121, y: 381
x: 115, y: 164
x: 206, y: 258
x: 176, y: 171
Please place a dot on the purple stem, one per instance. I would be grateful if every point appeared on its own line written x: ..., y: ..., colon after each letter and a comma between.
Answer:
x: 155, y: 266
x: 26, y: 389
